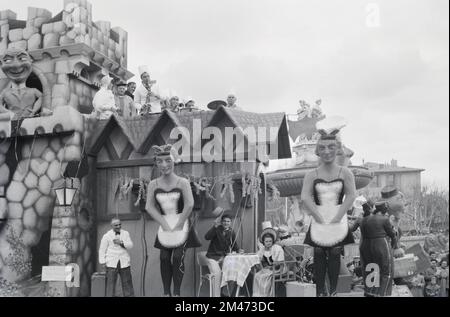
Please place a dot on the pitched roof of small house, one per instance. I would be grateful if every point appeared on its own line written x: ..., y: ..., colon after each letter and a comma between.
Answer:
x: 142, y: 131
x: 134, y: 129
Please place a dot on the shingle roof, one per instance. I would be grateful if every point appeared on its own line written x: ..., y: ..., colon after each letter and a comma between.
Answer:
x: 264, y: 120
x: 140, y: 130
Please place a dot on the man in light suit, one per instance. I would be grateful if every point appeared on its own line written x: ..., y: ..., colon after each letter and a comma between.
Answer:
x: 115, y: 259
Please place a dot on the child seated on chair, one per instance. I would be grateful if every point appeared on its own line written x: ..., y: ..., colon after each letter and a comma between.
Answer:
x: 269, y: 253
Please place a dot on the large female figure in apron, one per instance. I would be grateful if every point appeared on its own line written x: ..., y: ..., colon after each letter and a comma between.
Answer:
x: 170, y: 203
x: 328, y: 193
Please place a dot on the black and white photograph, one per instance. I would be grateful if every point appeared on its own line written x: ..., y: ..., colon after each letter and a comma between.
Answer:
x: 213, y: 151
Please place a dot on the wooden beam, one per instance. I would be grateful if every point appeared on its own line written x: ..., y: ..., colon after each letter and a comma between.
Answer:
x: 127, y: 151
x: 125, y: 163
x: 127, y: 216
x: 111, y: 150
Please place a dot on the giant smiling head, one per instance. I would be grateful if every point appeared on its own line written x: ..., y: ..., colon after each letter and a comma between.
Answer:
x: 16, y: 64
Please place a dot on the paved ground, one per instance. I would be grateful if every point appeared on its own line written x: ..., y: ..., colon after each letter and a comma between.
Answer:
x: 397, y: 291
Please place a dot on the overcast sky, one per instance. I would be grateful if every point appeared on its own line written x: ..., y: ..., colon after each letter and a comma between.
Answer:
x: 389, y: 79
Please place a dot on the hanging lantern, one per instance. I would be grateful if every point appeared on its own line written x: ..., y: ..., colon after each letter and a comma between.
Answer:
x: 66, y: 194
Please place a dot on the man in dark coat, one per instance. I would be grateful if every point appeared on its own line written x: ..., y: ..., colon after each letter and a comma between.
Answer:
x: 223, y: 240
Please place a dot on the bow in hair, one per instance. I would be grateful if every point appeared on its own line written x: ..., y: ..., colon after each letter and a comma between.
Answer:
x: 162, y: 150
x: 324, y: 135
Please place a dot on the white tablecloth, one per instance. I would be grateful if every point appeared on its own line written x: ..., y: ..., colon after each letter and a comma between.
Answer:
x: 237, y: 266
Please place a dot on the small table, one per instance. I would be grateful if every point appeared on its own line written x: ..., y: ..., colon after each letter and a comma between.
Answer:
x: 236, y: 268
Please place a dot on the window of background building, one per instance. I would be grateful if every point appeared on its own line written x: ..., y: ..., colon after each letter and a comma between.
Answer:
x: 390, y: 179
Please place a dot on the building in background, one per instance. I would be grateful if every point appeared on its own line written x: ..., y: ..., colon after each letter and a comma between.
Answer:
x: 406, y: 179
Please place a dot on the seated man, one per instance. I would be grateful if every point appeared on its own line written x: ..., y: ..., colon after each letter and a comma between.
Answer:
x: 223, y: 241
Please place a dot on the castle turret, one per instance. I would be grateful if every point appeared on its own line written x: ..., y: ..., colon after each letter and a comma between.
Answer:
x: 71, y: 53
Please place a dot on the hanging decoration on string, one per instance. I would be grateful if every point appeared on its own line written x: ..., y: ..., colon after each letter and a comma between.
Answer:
x: 251, y: 186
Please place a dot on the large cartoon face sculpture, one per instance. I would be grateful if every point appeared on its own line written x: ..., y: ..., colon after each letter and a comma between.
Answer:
x: 16, y: 64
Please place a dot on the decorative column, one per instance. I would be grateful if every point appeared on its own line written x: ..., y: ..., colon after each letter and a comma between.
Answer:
x: 62, y: 246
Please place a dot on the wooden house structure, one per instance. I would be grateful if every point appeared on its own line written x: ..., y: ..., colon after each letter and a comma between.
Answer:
x: 122, y: 151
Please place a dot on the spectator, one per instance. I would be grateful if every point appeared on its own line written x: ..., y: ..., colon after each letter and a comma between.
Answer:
x: 131, y: 88
x: 432, y: 289
x: 417, y: 285
x: 231, y: 102
x: 174, y: 104
x: 124, y: 103
x: 443, y: 276
x: 115, y: 259
x: 190, y: 104
x: 432, y: 270
x: 433, y: 256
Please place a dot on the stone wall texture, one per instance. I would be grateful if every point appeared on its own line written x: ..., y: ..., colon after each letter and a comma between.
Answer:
x: 71, y: 54
x: 74, y: 25
x: 29, y: 206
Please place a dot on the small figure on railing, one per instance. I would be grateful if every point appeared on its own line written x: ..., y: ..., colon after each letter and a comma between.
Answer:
x: 104, y: 102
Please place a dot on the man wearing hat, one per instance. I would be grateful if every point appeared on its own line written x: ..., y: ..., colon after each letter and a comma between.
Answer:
x: 396, y: 206
x: 146, y: 100
x: 380, y: 243
x: 123, y: 102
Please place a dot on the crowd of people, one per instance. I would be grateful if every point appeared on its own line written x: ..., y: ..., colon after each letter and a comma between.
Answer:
x: 130, y: 100
x: 434, y: 281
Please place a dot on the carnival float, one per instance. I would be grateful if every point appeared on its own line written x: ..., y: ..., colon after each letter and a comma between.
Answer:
x: 65, y: 174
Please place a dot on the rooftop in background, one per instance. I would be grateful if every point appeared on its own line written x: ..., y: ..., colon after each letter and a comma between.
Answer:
x: 390, y: 168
